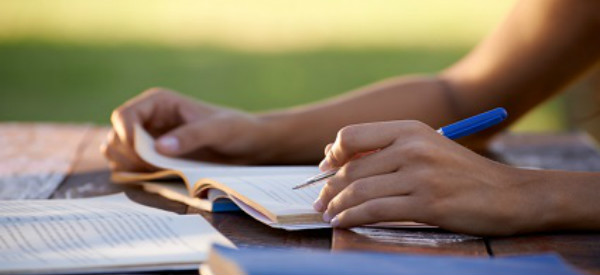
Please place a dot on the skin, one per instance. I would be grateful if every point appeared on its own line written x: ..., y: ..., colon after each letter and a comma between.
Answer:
x: 407, y: 171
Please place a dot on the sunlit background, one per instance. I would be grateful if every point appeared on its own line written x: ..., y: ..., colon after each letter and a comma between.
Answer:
x: 74, y: 61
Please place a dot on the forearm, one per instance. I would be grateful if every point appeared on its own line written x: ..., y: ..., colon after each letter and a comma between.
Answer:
x: 560, y: 200
x: 301, y: 133
x: 530, y: 57
x: 540, y: 48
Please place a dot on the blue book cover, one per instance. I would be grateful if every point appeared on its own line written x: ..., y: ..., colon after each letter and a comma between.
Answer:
x: 266, y: 261
x: 224, y: 205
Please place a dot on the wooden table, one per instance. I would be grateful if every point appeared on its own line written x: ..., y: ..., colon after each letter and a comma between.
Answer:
x: 89, y: 176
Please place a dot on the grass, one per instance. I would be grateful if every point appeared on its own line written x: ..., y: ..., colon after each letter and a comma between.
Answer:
x: 72, y: 60
x: 84, y: 83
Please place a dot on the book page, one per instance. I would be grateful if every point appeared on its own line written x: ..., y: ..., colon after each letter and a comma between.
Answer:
x: 275, y: 192
x: 196, y: 170
x: 98, y: 234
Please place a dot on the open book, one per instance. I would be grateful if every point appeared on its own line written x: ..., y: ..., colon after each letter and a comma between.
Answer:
x: 263, y: 192
x: 101, y: 234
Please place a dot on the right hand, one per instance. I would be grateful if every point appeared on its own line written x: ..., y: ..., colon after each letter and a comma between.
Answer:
x: 184, y: 127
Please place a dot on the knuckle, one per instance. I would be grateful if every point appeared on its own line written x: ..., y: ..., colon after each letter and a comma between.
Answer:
x: 414, y: 126
x: 347, y: 136
x: 333, y: 184
x: 348, y: 171
x: 116, y: 113
x: 326, y: 191
x: 419, y: 150
x: 155, y: 91
x: 333, y: 205
x: 332, y: 187
x: 120, y: 114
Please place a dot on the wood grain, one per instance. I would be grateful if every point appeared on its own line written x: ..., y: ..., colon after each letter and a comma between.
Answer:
x: 421, y: 241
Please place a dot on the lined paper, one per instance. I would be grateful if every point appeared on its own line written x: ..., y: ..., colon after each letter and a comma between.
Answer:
x: 275, y: 192
x: 42, y: 235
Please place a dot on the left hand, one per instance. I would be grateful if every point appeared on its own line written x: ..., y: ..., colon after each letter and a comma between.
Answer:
x: 415, y: 174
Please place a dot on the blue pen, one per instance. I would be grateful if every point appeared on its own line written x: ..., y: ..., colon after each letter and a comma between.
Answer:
x: 455, y: 130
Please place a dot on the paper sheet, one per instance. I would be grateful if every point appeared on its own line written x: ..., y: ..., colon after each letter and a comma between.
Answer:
x: 276, y: 193
x: 196, y: 170
x: 35, y: 158
x: 99, y: 233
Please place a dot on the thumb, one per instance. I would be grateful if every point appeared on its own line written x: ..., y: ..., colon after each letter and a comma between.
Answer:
x: 192, y: 136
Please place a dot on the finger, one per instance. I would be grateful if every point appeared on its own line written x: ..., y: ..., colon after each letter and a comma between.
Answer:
x: 329, y: 190
x: 118, y: 161
x: 326, y: 151
x: 193, y: 136
x: 365, y: 189
x: 124, y: 156
x: 136, y: 111
x: 359, y: 138
x: 378, y: 163
x: 388, y: 209
x: 327, y: 148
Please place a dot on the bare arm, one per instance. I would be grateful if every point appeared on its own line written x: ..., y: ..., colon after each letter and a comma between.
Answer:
x: 541, y: 47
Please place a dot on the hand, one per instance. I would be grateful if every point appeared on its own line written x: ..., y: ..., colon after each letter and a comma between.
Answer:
x: 415, y: 174
x: 184, y: 127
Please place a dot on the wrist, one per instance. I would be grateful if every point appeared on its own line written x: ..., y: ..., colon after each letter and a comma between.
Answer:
x: 283, y: 136
x: 547, y: 204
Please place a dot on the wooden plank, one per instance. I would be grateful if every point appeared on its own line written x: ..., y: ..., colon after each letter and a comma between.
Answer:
x: 566, y: 151
x: 420, y: 241
x: 580, y: 249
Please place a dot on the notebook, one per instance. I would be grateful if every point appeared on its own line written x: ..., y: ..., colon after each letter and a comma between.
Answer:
x: 263, y: 192
x: 101, y: 234
x: 265, y: 261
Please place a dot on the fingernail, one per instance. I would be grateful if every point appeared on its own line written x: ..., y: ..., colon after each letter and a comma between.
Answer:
x: 170, y: 144
x: 335, y: 222
x: 326, y: 217
x: 318, y: 205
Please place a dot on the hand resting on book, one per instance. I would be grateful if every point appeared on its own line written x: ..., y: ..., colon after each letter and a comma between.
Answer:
x: 185, y: 127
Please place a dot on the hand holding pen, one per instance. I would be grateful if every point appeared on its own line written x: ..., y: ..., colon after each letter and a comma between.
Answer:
x: 453, y: 131
x: 419, y: 175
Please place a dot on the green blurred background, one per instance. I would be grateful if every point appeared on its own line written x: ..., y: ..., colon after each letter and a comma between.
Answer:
x: 74, y: 61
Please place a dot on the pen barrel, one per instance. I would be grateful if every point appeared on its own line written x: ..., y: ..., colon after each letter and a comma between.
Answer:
x: 474, y: 124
